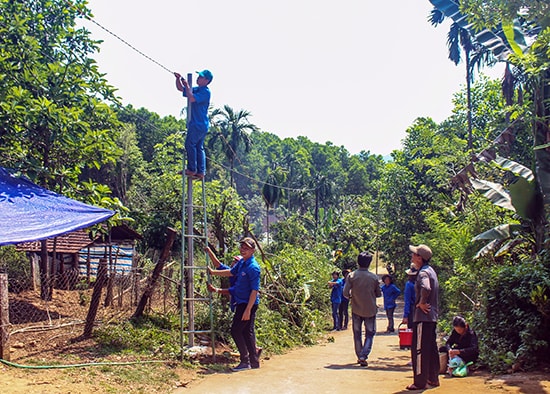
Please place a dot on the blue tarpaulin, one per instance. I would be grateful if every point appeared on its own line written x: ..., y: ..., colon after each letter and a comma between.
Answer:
x: 31, y: 213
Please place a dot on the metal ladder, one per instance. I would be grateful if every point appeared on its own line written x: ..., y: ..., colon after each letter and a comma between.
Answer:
x: 188, y: 267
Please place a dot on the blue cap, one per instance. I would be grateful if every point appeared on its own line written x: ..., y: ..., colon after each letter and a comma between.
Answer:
x: 205, y: 74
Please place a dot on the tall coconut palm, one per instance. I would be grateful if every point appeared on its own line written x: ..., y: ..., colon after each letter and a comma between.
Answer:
x: 230, y: 132
x: 459, y: 39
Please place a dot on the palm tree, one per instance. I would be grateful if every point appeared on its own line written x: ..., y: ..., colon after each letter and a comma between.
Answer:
x: 474, y: 55
x: 230, y: 130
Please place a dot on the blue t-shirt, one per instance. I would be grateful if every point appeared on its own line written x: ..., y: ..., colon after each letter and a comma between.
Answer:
x: 337, y: 289
x: 232, y: 280
x: 409, y: 300
x: 199, y: 109
x: 247, y: 278
x: 390, y: 293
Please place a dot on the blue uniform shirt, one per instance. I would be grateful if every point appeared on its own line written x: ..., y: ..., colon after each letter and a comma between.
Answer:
x: 391, y: 293
x: 337, y: 289
x: 199, y: 109
x: 247, y: 278
x: 231, y: 283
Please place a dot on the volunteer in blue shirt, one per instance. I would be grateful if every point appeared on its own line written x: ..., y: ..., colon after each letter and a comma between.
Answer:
x: 245, y: 293
x: 337, y: 285
x: 198, y: 124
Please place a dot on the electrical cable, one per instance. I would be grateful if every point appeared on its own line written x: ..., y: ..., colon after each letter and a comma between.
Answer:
x: 93, y: 364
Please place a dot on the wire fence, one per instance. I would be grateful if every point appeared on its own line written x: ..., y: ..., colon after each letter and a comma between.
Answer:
x: 48, y: 314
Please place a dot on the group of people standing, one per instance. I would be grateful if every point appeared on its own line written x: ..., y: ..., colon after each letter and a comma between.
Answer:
x: 361, y: 288
x: 421, y: 313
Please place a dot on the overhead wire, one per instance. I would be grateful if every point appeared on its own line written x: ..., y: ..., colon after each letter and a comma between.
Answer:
x: 89, y: 18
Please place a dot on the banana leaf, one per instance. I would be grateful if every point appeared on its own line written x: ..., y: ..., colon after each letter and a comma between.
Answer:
x: 500, y: 232
x: 494, y: 192
x: 495, y: 40
x: 525, y: 198
x: 515, y: 167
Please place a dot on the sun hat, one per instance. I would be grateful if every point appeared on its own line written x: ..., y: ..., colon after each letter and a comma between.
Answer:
x: 248, y: 242
x: 412, y: 270
x: 424, y: 251
x: 205, y: 74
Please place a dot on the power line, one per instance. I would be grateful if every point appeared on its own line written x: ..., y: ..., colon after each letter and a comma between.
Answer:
x: 119, y: 38
x: 154, y: 126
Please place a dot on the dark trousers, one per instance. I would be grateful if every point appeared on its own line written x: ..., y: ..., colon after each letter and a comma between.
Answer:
x: 335, y: 319
x: 242, y: 332
x: 425, y: 355
x: 343, y: 315
x: 389, y: 315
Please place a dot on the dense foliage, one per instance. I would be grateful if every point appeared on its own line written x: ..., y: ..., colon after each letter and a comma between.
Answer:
x: 321, y: 205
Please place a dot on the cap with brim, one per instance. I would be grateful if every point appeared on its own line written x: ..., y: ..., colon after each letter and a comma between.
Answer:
x: 422, y: 250
x: 248, y: 242
x: 205, y: 74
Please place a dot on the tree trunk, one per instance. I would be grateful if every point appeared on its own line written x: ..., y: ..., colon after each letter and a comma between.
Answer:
x: 156, y: 273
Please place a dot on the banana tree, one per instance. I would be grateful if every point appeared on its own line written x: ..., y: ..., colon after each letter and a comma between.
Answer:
x: 520, y: 35
x: 521, y: 197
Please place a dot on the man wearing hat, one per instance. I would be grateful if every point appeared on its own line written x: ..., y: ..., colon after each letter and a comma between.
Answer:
x: 245, y: 293
x: 424, y: 352
x: 198, y: 124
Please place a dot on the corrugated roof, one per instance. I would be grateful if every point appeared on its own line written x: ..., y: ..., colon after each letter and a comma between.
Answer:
x: 68, y: 243
x: 77, y: 240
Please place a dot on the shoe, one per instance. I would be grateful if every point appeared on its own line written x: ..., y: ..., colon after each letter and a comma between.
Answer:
x: 255, y: 366
x: 241, y: 367
x: 190, y: 173
x: 413, y: 387
x: 198, y: 176
x: 363, y: 363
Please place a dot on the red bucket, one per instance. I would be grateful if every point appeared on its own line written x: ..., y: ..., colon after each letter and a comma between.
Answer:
x: 405, y: 337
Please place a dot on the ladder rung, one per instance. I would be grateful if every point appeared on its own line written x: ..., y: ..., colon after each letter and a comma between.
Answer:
x: 194, y: 236
x: 196, y: 299
x: 194, y: 206
x: 194, y: 267
x: 197, y: 331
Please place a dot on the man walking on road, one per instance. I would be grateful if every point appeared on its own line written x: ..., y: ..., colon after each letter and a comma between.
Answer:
x: 362, y: 287
x: 425, y: 357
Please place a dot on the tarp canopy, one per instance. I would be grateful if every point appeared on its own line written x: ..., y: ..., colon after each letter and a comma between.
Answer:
x: 31, y: 213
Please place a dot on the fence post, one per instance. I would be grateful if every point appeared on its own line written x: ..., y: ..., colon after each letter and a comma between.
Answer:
x: 96, y: 297
x: 4, y: 317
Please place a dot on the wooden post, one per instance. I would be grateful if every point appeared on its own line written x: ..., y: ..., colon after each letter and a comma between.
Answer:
x: 35, y: 271
x: 4, y: 317
x: 45, y: 288
x: 96, y: 297
x: 156, y: 273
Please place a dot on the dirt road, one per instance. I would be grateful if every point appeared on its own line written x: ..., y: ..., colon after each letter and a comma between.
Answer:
x: 330, y: 367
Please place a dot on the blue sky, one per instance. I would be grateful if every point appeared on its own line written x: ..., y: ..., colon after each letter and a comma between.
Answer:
x: 353, y: 72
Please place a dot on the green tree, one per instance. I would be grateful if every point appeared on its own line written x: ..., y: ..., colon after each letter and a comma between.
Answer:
x: 53, y: 122
x: 231, y: 132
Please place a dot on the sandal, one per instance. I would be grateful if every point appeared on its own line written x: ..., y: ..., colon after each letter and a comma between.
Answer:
x: 414, y: 387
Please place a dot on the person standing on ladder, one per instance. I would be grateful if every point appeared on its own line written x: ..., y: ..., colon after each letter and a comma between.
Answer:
x: 246, y: 295
x: 198, y: 124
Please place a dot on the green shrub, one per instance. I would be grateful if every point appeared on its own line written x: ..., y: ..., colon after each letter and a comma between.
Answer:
x: 512, y: 330
x: 158, y: 335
